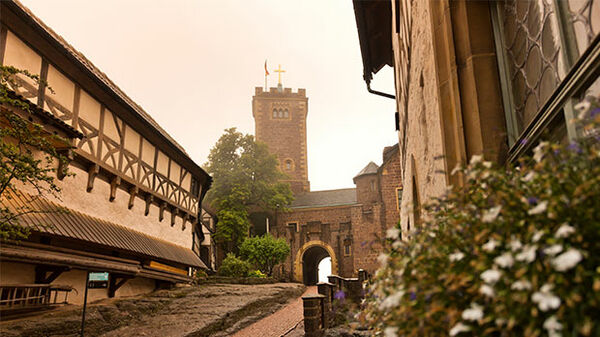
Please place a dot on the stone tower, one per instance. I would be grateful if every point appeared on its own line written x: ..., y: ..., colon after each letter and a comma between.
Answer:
x: 280, y: 122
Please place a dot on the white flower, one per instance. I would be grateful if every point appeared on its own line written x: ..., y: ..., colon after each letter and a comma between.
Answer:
x: 456, y: 169
x: 490, y: 245
x: 527, y: 254
x: 458, y: 328
x: 538, y: 151
x: 397, y: 244
x: 515, y: 244
x: 505, y: 260
x: 487, y: 164
x: 487, y: 290
x: 393, y: 233
x: 545, y: 299
x: 553, y: 250
x: 456, y: 256
x: 521, y: 285
x: 583, y: 107
x: 528, y: 177
x: 491, y: 214
x: 551, y: 324
x: 539, y: 208
x: 567, y: 260
x: 564, y: 231
x: 537, y: 236
x: 391, y: 301
x: 391, y: 331
x: 500, y: 321
x: 382, y: 258
x: 474, y: 313
x: 491, y: 276
x: 476, y: 159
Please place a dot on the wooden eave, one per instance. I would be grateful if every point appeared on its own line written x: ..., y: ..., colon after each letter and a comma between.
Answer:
x: 374, y: 25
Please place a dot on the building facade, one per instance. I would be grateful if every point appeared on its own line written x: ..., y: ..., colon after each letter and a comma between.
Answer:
x: 487, y: 78
x: 347, y: 225
x: 134, y: 202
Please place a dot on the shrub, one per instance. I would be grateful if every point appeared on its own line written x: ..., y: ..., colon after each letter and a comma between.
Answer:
x: 257, y: 273
x: 512, y: 252
x: 265, y: 252
x: 233, y: 266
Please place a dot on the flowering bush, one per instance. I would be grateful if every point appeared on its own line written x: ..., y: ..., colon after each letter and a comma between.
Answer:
x: 513, y: 252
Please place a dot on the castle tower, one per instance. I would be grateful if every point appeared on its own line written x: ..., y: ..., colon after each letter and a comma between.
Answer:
x: 280, y: 122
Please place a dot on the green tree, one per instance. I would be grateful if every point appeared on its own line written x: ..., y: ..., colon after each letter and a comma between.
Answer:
x: 233, y: 266
x: 20, y: 141
x: 265, y: 252
x: 246, y: 179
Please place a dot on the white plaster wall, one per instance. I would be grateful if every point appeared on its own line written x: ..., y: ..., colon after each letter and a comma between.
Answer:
x: 16, y: 273
x: 96, y: 204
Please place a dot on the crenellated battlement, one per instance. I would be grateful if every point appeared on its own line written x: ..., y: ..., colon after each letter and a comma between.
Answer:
x: 274, y: 92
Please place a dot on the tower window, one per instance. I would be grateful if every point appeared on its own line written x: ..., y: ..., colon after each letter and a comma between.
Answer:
x: 281, y: 113
x: 274, y: 113
x: 288, y: 165
x: 285, y: 113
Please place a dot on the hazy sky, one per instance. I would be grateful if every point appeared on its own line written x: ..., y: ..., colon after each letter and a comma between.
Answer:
x: 193, y: 66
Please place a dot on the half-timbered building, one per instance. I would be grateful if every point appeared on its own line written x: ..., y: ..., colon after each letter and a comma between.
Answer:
x: 134, y: 202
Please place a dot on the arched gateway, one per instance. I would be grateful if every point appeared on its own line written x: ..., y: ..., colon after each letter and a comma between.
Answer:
x: 307, y: 260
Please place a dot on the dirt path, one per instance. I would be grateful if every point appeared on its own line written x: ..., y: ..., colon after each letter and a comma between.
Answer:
x: 208, y: 310
x: 279, y: 323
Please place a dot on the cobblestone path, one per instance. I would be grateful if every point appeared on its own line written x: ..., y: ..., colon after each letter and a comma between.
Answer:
x: 279, y: 323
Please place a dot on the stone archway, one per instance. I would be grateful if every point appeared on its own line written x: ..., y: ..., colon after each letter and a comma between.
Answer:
x: 315, y: 250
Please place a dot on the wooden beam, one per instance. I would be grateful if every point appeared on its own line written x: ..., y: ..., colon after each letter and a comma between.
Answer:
x: 92, y: 173
x: 132, y: 194
x: 115, y: 282
x: 161, y: 213
x: 114, y: 184
x: 42, y: 277
x: 149, y: 200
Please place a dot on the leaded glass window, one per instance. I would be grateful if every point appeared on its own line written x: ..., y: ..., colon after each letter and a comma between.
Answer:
x: 540, y: 44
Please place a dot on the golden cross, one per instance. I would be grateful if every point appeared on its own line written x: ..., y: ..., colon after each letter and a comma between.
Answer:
x: 279, y: 71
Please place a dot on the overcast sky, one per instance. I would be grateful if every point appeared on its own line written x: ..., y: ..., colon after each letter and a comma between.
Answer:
x: 193, y: 66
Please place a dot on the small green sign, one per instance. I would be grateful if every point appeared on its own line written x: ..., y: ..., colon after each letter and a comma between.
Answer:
x: 99, y: 276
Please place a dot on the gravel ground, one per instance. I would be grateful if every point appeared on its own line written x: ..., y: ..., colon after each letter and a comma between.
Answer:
x: 208, y: 310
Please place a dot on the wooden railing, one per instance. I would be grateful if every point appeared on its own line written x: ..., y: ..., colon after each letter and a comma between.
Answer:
x: 20, y: 298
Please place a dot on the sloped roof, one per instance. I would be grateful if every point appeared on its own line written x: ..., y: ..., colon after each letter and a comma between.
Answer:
x: 345, y: 196
x: 371, y: 168
x: 48, y: 217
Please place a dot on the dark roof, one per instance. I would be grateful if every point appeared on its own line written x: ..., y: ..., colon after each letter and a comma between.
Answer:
x: 345, y: 196
x: 48, y: 217
x: 374, y: 24
x: 371, y: 168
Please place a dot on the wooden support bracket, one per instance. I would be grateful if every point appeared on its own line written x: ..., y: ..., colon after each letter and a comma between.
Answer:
x: 132, y: 194
x: 149, y: 200
x: 185, y: 219
x: 114, y: 184
x: 115, y: 282
x: 42, y: 277
x: 174, y: 212
x: 161, y: 213
x: 63, y: 165
x: 92, y: 173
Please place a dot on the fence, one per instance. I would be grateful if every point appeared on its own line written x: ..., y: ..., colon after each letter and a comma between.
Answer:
x: 19, y: 298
